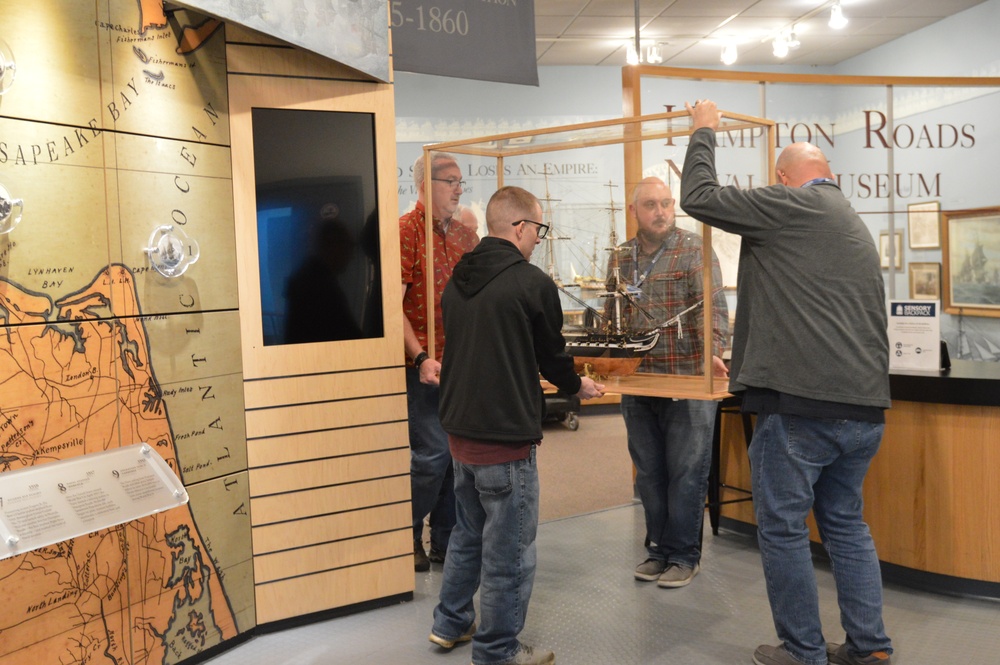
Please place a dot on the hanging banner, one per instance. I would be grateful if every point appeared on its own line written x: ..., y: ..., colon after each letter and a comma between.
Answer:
x: 486, y: 40
x: 352, y: 33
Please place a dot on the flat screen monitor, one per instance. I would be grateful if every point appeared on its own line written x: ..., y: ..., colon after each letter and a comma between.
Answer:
x: 317, y: 225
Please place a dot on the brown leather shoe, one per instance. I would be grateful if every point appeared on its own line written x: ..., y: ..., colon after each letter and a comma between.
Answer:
x: 421, y: 563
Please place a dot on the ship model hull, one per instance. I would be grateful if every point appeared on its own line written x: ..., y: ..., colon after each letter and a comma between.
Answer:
x: 609, y: 354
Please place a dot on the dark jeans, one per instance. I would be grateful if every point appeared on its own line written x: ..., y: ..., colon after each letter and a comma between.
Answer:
x: 432, y: 480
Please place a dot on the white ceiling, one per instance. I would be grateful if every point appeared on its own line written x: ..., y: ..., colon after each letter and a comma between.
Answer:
x: 691, y: 33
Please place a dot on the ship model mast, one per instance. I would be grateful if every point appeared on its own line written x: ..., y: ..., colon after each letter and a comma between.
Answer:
x: 550, y: 253
x: 611, y: 349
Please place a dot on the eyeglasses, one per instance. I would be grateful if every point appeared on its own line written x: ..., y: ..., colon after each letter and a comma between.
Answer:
x: 454, y: 184
x: 542, y: 228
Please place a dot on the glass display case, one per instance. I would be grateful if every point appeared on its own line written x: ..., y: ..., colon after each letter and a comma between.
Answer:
x: 584, y: 176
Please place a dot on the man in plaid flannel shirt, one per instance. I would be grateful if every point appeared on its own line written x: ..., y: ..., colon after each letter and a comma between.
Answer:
x: 669, y: 439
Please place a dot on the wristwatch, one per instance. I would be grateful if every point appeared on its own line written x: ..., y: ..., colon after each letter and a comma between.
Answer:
x: 419, y: 359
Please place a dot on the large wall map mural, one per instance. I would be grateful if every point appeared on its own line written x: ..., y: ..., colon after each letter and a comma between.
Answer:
x: 117, y: 124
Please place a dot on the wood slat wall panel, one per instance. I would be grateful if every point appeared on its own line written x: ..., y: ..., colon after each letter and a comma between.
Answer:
x: 329, y: 556
x: 329, y: 528
x: 322, y: 473
x: 336, y: 588
x: 286, y: 508
x: 329, y: 443
x: 318, y: 387
x: 261, y: 59
x: 324, y: 415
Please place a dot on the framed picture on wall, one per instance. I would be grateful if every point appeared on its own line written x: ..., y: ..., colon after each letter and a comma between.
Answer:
x: 970, y: 253
x: 924, y: 224
x: 925, y: 281
x: 883, y: 249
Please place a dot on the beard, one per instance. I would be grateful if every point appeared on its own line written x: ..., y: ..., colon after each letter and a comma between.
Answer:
x: 656, y: 232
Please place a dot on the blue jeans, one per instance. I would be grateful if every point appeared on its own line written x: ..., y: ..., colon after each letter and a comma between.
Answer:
x: 670, y: 442
x: 799, y: 463
x: 492, y: 549
x: 431, y: 476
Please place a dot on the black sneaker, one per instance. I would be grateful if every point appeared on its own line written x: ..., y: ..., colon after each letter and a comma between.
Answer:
x: 421, y: 563
x: 436, y: 555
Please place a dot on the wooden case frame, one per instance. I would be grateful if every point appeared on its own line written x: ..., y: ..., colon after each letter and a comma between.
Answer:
x: 629, y: 132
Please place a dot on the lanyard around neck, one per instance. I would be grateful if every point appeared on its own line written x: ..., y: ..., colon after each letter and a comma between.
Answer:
x: 817, y: 181
x: 638, y: 279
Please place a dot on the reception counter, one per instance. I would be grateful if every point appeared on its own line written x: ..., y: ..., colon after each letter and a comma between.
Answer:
x: 932, y: 496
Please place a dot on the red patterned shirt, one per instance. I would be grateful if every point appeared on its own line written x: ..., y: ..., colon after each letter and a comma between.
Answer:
x: 449, y: 246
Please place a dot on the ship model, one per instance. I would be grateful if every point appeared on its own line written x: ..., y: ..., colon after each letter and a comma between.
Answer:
x: 605, y: 345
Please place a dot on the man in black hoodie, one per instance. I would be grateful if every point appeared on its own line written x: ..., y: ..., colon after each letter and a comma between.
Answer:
x: 503, y: 321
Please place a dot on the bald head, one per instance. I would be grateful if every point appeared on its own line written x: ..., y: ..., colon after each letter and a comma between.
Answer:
x: 801, y: 162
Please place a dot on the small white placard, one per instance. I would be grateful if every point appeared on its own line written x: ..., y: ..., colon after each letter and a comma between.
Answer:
x: 915, y: 335
x: 49, y: 503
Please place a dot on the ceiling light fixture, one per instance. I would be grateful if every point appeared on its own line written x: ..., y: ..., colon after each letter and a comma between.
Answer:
x: 793, y: 41
x: 784, y: 42
x: 653, y: 55
x: 837, y: 19
x: 780, y: 47
x: 631, y: 56
x: 729, y: 54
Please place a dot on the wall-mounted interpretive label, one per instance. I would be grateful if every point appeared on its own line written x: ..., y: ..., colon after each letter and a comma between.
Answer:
x: 50, y: 503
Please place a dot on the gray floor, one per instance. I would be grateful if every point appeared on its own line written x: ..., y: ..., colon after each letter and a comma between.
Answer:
x: 589, y: 610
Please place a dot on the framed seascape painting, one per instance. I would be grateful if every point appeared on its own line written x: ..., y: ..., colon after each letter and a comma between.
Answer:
x: 925, y: 281
x: 970, y: 253
x: 924, y: 224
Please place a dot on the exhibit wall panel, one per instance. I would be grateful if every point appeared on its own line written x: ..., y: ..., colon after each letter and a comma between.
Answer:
x: 327, y: 440
x: 116, y: 129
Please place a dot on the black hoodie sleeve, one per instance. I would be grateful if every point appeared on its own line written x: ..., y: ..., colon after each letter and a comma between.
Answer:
x: 550, y: 347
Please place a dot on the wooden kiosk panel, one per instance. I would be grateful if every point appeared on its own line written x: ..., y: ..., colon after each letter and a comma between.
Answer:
x: 335, y: 588
x: 333, y: 528
x: 326, y: 420
x: 316, y: 445
x: 305, y: 504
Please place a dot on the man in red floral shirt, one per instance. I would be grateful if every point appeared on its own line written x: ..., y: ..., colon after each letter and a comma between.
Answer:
x: 431, y: 474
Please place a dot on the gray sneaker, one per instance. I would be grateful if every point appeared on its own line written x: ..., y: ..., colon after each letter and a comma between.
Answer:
x: 445, y: 643
x: 768, y: 655
x: 650, y: 570
x: 531, y: 656
x: 677, y: 575
x: 839, y: 655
